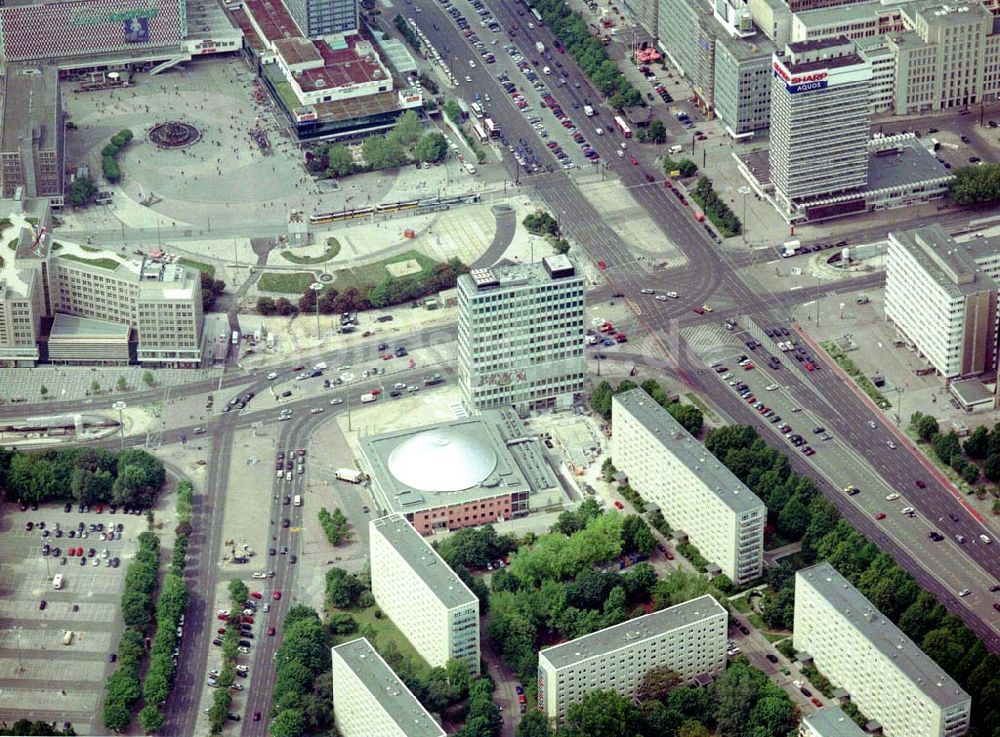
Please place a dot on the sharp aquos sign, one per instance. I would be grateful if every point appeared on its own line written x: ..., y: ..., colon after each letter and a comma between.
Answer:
x: 795, y: 83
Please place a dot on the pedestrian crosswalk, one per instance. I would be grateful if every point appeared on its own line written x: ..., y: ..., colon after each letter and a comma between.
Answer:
x: 705, y: 340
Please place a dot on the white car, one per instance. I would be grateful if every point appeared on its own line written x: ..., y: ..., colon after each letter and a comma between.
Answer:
x: 272, y: 376
x: 797, y: 683
x: 964, y: 592
x: 259, y: 575
x: 771, y: 387
x: 345, y: 367
x: 892, y: 497
x: 672, y: 295
x: 337, y: 401
x: 892, y: 445
x: 661, y: 297
x: 907, y: 510
x: 320, y: 366
x: 244, y: 650
x: 646, y: 291
x: 316, y: 410
x: 266, y: 607
x: 871, y: 424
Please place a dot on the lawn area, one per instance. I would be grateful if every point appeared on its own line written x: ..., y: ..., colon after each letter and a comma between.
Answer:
x: 288, y: 97
x: 696, y: 401
x: 100, y: 263
x: 385, y: 629
x: 332, y: 249
x: 198, y: 266
x: 375, y: 273
x: 285, y: 282
x: 741, y: 603
x: 774, y: 637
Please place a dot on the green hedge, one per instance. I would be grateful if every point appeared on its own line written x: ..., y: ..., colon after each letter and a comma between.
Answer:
x: 851, y: 369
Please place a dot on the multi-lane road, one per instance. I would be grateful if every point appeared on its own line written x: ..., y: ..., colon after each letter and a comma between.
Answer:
x: 711, y: 276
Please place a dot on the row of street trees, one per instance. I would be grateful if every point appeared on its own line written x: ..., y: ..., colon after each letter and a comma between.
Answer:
x: 689, y: 416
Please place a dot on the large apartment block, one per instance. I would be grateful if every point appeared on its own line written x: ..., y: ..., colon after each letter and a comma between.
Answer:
x: 521, y: 335
x: 369, y: 700
x: 689, y: 638
x: 858, y: 649
x: 694, y: 491
x: 830, y: 721
x: 73, y: 305
x: 427, y: 600
x: 942, y: 300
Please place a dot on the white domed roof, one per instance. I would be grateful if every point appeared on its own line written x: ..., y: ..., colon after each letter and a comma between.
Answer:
x: 442, y: 460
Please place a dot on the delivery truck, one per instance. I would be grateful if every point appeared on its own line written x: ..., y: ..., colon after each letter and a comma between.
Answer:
x: 350, y: 475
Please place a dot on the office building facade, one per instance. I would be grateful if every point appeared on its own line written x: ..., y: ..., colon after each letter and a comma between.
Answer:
x: 819, y: 122
x: 521, y: 335
x: 743, y: 85
x: 942, y: 301
x: 689, y: 638
x: 858, y: 649
x: 158, y: 303
x: 324, y: 17
x: 369, y: 700
x: 693, y: 490
x: 427, y: 600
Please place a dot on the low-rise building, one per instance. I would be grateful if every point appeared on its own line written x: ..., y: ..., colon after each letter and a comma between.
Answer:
x: 830, y: 721
x: 858, y: 649
x: 464, y: 473
x: 688, y: 638
x: 942, y: 301
x: 694, y: 491
x: 425, y: 599
x: 369, y: 700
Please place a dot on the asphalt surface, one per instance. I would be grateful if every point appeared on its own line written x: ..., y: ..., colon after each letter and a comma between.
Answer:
x: 710, y: 277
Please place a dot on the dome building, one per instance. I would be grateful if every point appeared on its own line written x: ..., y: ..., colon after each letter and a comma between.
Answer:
x: 462, y: 473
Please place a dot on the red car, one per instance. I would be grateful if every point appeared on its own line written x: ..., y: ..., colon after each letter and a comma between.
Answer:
x: 270, y: 631
x: 669, y: 554
x: 244, y: 618
x: 880, y: 515
x: 632, y: 160
x: 667, y: 184
x: 100, y: 508
x: 276, y: 596
x: 222, y: 617
x: 79, y: 552
x: 809, y: 367
x: 375, y: 392
x: 921, y: 484
x: 522, y: 699
x: 816, y: 702
x: 619, y: 505
x: 747, y: 366
x: 256, y: 595
x: 221, y: 630
x: 698, y: 311
x: 809, y: 451
x: 72, y: 552
x: 302, y: 451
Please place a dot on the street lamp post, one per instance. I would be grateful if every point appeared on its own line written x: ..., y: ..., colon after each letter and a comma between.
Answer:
x: 315, y: 287
x: 17, y: 635
x: 744, y: 191
x: 120, y: 405
x: 899, y: 405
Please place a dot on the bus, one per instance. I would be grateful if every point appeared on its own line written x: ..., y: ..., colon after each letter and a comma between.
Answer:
x: 480, y: 133
x: 492, y: 129
x: 623, y: 126
x: 477, y: 110
x: 538, y: 16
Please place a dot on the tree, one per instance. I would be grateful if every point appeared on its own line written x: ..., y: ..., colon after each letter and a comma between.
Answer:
x: 636, y: 536
x: 733, y: 696
x: 946, y: 446
x: 82, y: 191
x: 340, y: 160
x: 772, y: 716
x: 383, y: 152
x: 288, y: 723
x: 976, y: 446
x: 975, y: 185
x: 533, y: 724
x: 43, y: 390
x: 408, y: 128
x: 692, y: 728
x: 95, y: 386
x: 238, y: 592
x: 541, y: 223
x: 793, y: 518
x: 657, y: 132
x: 342, y: 588
x: 147, y: 378
x: 122, y: 384
x: 283, y: 307
x: 970, y: 473
x: 925, y: 426
x: 453, y: 110
x: 602, y: 713
x: 431, y: 147
x: 657, y: 683
x: 688, y: 415
x: 151, y: 719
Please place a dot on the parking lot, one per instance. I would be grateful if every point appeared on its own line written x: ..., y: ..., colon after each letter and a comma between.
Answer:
x: 42, y: 676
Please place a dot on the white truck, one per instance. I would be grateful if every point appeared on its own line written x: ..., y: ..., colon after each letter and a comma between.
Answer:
x: 350, y: 475
x: 790, y: 248
x: 588, y: 111
x: 539, y: 47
